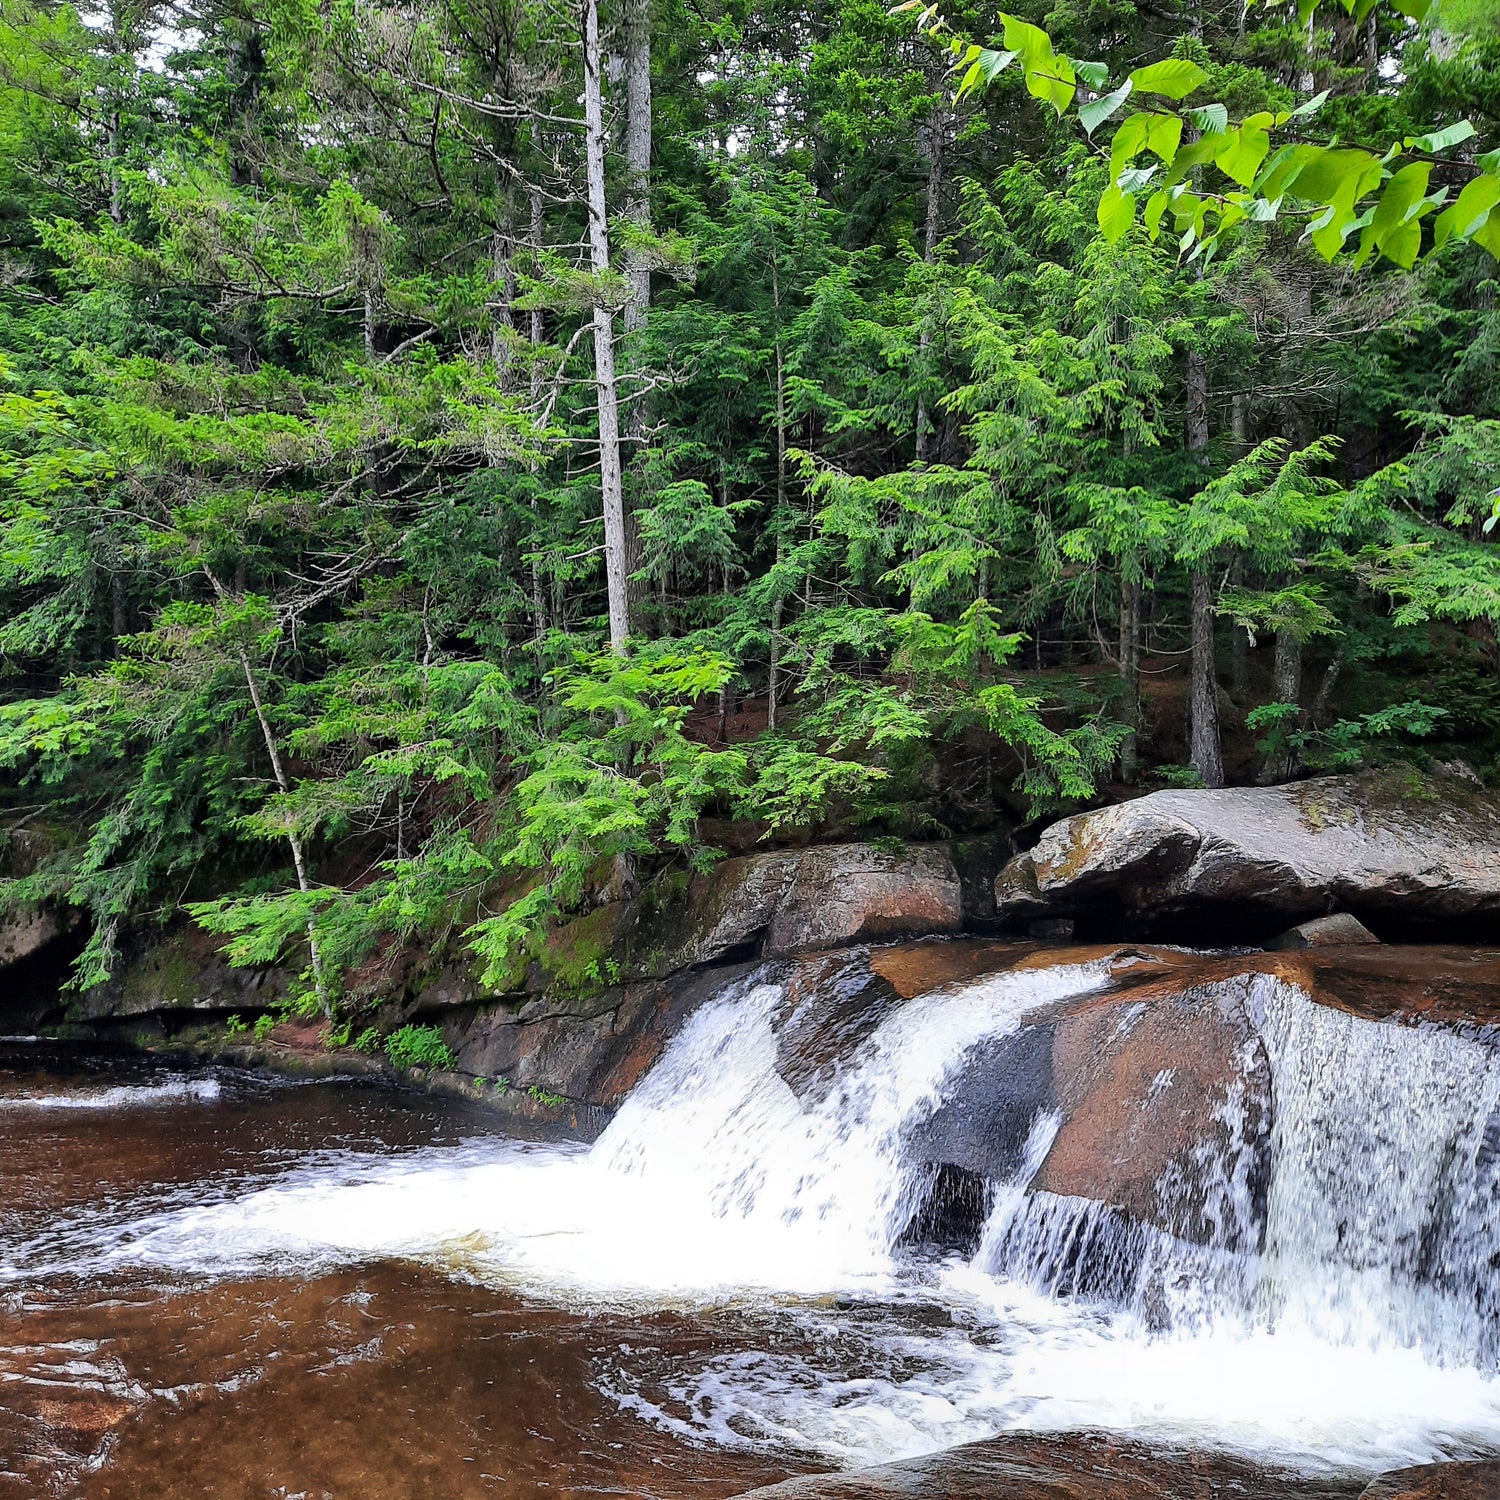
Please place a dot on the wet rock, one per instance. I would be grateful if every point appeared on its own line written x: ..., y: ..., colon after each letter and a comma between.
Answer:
x: 951, y: 1214
x: 1159, y: 1088
x: 1166, y: 1112
x: 835, y: 1004
x: 983, y: 1125
x: 1479, y: 1480
x: 1072, y: 1466
x: 1339, y: 930
x: 589, y: 1052
x: 1387, y: 846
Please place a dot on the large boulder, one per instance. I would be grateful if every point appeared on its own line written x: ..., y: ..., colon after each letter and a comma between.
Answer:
x: 806, y: 900
x: 1159, y: 1087
x: 26, y: 930
x: 1394, y: 848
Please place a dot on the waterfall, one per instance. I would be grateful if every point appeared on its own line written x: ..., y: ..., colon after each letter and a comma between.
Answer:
x: 1314, y: 1278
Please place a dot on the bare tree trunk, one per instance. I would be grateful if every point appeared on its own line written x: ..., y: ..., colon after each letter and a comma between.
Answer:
x: 299, y: 859
x: 778, y: 604
x: 1130, y: 678
x: 1206, y: 751
x: 637, y: 268
x: 611, y: 480
x: 931, y: 232
x: 616, y: 566
x: 1317, y: 716
x: 1288, y: 667
x: 538, y: 332
x: 503, y: 274
x: 638, y: 155
x: 1239, y: 635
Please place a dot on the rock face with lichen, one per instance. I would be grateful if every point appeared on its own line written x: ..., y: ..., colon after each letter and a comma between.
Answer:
x: 1390, y: 847
x: 807, y: 900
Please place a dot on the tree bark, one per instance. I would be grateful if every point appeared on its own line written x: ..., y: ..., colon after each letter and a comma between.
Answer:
x: 1282, y: 764
x: 930, y: 235
x: 778, y: 604
x: 616, y: 565
x: 611, y: 480
x: 637, y: 158
x: 538, y: 332
x: 1206, y: 751
x: 1130, y: 678
x: 1317, y: 716
x: 299, y: 857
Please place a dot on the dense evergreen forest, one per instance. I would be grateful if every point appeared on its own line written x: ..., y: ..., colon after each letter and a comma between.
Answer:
x: 461, y: 458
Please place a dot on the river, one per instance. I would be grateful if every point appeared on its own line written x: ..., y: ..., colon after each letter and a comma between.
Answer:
x: 214, y: 1283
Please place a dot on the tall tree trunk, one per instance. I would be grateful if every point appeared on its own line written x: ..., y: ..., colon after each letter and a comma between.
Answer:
x: 616, y: 565
x: 638, y: 120
x: 778, y: 604
x: 1282, y: 764
x: 1206, y: 751
x: 538, y: 332
x: 611, y: 484
x: 637, y: 157
x: 299, y: 857
x: 1130, y: 678
x: 503, y: 274
x: 931, y: 232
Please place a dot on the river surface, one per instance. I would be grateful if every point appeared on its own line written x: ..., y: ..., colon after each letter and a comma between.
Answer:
x: 214, y: 1284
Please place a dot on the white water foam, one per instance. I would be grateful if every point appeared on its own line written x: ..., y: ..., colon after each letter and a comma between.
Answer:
x: 120, y: 1096
x: 1356, y: 1339
x: 711, y: 1180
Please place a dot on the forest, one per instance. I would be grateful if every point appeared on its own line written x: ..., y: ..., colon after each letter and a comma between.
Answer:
x: 461, y: 459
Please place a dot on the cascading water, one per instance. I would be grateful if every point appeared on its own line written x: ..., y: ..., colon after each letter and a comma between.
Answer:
x: 1337, y: 1309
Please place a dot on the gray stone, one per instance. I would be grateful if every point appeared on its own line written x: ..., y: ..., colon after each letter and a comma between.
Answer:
x: 1339, y: 930
x: 1420, y: 849
x: 806, y: 900
x: 26, y: 930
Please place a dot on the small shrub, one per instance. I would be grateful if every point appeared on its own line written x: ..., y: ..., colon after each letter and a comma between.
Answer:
x: 419, y: 1047
x: 264, y: 1026
x: 236, y: 1026
x: 368, y: 1040
x: 552, y: 1101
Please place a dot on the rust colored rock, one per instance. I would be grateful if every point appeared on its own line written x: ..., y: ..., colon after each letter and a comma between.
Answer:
x: 1072, y: 1466
x: 1452, y: 1481
x: 1154, y: 1095
x: 919, y: 968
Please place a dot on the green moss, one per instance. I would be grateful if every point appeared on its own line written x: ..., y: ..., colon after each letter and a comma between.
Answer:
x: 580, y: 959
x: 166, y: 977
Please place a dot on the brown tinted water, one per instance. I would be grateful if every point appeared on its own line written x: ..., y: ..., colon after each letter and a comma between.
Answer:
x: 381, y: 1381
